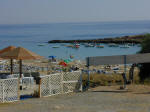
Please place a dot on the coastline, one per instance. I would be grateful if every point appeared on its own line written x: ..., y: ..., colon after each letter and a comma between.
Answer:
x: 137, y: 39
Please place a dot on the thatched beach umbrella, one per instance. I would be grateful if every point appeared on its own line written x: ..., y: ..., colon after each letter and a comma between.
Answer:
x: 20, y: 54
x: 5, y: 50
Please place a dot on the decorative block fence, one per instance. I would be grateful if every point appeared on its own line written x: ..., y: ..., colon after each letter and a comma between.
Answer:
x: 9, y: 90
x: 60, y: 83
x: 52, y: 84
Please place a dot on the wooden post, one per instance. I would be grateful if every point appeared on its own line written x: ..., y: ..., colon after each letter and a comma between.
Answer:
x: 11, y: 65
x: 19, y: 88
x: 20, y: 62
x: 125, y: 69
x: 88, y: 84
x: 40, y: 88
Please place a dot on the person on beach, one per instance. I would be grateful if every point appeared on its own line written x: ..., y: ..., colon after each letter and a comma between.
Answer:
x: 131, y: 73
x: 125, y: 80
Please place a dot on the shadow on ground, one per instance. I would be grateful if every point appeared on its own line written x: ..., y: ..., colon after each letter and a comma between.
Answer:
x: 143, y: 93
x: 113, y: 91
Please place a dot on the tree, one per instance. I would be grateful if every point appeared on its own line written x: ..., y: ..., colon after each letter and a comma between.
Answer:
x: 146, y: 44
x: 145, y: 67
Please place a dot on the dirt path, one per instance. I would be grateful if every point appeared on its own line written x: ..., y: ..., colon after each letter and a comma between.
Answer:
x: 100, y: 99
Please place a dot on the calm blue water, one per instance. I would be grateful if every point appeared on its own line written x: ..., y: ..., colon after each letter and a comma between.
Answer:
x: 29, y: 36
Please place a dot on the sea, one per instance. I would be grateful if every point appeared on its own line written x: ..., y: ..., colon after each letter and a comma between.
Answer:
x: 34, y: 37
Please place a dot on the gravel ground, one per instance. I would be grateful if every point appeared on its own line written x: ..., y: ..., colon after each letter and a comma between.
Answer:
x: 100, y: 99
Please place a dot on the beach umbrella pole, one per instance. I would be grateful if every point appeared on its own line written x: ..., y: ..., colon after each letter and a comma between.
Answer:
x: 20, y: 67
x: 88, y: 67
x: 11, y: 65
x: 125, y: 70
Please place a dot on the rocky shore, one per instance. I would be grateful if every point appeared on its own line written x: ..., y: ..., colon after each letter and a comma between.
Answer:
x: 125, y: 39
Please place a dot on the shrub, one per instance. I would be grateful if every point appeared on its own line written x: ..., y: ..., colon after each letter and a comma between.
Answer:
x: 105, y: 80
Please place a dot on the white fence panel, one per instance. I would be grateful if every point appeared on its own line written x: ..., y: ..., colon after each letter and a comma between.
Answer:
x: 60, y: 83
x: 51, y: 85
x: 8, y: 90
x: 71, y: 81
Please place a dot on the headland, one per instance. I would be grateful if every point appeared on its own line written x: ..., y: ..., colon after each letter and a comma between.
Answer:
x: 137, y: 39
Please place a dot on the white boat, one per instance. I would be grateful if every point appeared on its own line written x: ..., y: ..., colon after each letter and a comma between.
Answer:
x: 125, y: 46
x: 89, y: 45
x: 76, y: 45
x: 131, y: 44
x: 113, y: 45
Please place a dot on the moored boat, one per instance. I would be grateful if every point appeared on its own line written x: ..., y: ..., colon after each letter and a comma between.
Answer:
x: 89, y: 45
x: 125, y: 46
x: 41, y: 45
x: 69, y: 45
x: 76, y: 45
x: 113, y: 45
x: 100, y: 46
x: 55, y: 47
x: 131, y: 44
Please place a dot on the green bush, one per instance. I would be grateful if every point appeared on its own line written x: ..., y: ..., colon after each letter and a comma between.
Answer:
x: 144, y: 67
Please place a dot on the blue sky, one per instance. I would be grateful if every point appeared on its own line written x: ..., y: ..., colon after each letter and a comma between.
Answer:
x: 52, y: 11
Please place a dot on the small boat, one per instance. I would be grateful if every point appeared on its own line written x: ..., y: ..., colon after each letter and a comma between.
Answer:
x: 41, y: 45
x: 113, y: 45
x: 125, y: 46
x: 76, y: 45
x: 89, y: 45
x: 100, y: 46
x: 131, y: 44
x: 55, y: 47
x: 69, y: 45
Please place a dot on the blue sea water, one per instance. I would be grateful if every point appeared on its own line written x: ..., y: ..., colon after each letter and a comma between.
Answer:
x: 31, y: 35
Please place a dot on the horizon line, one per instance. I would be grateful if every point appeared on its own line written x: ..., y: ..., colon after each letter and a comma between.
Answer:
x: 74, y: 22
